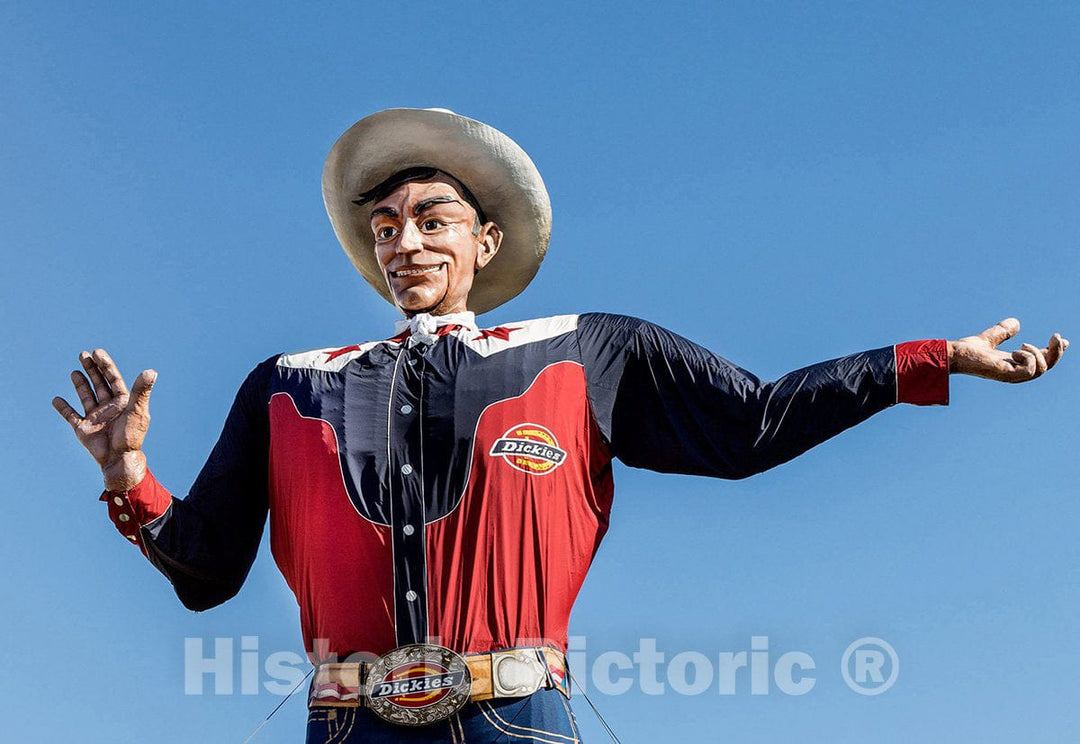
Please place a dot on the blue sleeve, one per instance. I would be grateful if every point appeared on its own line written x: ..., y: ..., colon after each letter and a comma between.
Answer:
x: 666, y: 404
x: 206, y: 543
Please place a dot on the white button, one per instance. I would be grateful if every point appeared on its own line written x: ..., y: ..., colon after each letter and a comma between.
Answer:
x: 118, y: 501
x: 133, y: 538
x: 410, y: 595
x: 408, y: 529
x: 406, y: 469
x: 124, y: 517
x: 406, y: 409
x: 412, y: 362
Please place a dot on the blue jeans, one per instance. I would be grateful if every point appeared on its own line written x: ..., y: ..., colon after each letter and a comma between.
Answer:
x: 542, y: 718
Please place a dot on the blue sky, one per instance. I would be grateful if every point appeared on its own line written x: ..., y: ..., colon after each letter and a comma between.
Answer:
x: 782, y: 182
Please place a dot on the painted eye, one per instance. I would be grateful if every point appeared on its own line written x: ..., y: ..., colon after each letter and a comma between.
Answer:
x: 385, y: 233
x: 430, y: 225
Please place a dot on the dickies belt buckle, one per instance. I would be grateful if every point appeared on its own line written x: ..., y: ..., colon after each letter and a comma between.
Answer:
x: 417, y: 685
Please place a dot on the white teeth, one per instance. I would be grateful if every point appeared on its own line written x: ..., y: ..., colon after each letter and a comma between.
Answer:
x: 414, y: 272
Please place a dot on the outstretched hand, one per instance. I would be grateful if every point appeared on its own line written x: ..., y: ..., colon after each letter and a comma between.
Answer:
x: 114, y: 423
x: 979, y: 355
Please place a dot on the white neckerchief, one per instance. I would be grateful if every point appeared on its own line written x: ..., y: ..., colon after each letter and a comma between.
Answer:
x: 422, y: 327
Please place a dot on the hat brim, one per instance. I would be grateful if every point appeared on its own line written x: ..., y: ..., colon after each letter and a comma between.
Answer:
x: 500, y: 175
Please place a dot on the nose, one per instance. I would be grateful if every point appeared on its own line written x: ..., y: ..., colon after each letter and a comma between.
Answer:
x: 410, y: 241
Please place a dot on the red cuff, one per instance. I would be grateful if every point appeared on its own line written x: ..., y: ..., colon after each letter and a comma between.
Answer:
x: 129, y: 510
x: 922, y: 373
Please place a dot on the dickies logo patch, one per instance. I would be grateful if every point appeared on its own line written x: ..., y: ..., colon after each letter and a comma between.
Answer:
x: 417, y: 684
x: 530, y: 448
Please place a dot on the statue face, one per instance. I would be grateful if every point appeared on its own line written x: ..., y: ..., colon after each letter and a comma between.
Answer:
x: 428, y: 247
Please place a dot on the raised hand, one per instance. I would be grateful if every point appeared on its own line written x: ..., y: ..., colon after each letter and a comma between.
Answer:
x: 114, y: 421
x: 978, y: 355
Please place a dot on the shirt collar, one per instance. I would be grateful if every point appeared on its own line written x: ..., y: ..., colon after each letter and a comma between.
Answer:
x: 425, y: 328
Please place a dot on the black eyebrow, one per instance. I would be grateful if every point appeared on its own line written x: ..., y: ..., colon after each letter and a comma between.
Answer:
x: 421, y: 206
x: 388, y: 211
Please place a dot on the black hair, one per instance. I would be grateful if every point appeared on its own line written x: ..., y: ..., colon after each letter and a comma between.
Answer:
x: 421, y: 173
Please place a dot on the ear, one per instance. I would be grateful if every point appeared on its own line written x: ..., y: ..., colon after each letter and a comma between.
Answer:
x: 490, y: 238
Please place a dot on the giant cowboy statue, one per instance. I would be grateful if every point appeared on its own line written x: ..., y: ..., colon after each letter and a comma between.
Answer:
x: 435, y: 499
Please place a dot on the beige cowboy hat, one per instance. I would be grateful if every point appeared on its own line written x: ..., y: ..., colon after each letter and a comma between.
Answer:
x: 503, y: 180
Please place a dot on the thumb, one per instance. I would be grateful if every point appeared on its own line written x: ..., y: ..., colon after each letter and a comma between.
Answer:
x: 140, y: 392
x: 998, y: 333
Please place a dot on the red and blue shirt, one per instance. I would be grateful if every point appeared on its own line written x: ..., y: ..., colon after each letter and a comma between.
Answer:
x: 453, y: 484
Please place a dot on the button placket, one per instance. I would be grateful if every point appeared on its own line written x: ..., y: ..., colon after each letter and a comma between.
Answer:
x: 406, y: 473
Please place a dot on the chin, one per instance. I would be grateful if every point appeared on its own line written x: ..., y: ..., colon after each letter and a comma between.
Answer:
x: 412, y: 303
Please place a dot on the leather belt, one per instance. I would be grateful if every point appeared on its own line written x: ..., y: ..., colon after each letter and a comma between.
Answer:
x: 510, y: 673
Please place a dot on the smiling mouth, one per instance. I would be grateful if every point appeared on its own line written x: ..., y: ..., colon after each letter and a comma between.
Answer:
x: 415, y: 271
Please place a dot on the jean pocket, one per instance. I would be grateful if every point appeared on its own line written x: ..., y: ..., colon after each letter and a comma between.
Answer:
x: 559, y: 726
x: 329, y: 725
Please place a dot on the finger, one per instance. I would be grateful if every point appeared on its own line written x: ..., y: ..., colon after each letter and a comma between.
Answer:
x: 1006, y: 329
x: 1055, y: 349
x: 112, y: 374
x: 1040, y: 358
x: 82, y: 387
x: 140, y: 392
x: 1025, y: 366
x: 64, y: 409
x: 101, y: 388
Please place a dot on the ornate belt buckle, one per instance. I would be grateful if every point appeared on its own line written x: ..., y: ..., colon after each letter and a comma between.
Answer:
x: 417, y: 685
